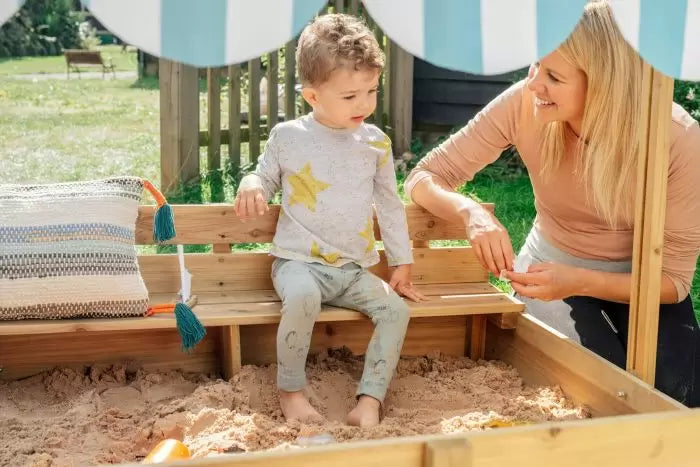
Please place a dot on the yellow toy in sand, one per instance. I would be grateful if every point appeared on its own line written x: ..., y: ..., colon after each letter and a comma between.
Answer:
x: 167, y: 450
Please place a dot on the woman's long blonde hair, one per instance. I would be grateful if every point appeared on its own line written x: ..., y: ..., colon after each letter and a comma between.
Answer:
x: 607, y: 161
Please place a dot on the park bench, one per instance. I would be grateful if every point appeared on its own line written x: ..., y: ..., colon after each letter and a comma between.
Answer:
x: 86, y: 58
x: 237, y: 303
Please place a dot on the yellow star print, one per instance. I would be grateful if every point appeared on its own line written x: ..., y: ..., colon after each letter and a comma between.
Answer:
x: 368, y: 235
x: 384, y: 146
x: 328, y: 257
x: 305, y: 188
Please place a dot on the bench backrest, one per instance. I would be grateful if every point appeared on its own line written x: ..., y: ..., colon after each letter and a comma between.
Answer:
x: 225, y: 272
x: 85, y: 57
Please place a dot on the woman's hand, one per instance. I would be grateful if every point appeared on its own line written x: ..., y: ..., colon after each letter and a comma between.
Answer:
x: 490, y: 240
x: 546, y: 281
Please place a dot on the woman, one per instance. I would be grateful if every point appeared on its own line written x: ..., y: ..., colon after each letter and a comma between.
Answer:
x: 575, y: 122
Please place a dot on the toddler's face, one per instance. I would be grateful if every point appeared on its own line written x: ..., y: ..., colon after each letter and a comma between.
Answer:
x: 346, y: 98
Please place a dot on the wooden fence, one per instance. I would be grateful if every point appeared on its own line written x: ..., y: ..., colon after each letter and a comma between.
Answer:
x: 181, y: 137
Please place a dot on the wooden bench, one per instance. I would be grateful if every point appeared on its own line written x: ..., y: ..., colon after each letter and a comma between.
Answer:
x: 86, y: 58
x: 238, y: 305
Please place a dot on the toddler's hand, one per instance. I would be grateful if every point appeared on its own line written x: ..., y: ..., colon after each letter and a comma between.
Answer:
x: 250, y: 198
x: 401, y: 282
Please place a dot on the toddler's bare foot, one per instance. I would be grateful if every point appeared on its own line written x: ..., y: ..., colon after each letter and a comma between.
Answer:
x: 366, y: 412
x: 295, y: 406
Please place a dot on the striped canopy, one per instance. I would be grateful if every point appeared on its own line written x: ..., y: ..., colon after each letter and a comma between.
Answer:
x: 477, y: 36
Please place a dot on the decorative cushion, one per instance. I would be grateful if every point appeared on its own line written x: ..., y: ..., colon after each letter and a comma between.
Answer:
x: 67, y: 250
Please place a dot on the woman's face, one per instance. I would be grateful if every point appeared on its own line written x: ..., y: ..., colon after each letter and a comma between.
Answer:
x: 559, y: 90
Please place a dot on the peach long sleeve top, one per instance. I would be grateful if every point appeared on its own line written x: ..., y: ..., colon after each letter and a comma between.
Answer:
x: 565, y: 215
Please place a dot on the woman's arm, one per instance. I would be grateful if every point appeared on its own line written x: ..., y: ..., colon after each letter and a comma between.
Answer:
x: 550, y: 281
x: 432, y: 183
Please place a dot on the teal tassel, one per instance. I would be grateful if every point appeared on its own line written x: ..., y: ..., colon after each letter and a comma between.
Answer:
x: 164, y: 224
x: 190, y: 329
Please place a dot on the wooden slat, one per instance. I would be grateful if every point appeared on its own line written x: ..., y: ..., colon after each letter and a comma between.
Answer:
x: 543, y: 356
x: 231, y: 351
x: 354, y: 7
x: 272, y: 69
x: 339, y: 6
x: 652, y: 179
x: 290, y: 80
x: 179, y: 124
x: 448, y: 452
x: 242, y: 136
x: 445, y: 334
x: 214, y: 126
x: 402, y: 95
x: 254, y: 76
x: 234, y: 118
x: 379, y: 111
x: 217, y: 223
x: 246, y: 313
x: 251, y: 271
x: 155, y: 349
x: 647, y: 440
x: 477, y: 342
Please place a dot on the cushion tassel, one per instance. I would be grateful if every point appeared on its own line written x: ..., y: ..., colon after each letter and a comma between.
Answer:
x: 188, y: 325
x: 163, y: 221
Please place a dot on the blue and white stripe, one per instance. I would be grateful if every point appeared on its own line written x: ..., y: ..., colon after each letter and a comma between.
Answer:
x: 478, y: 36
x: 666, y: 33
x: 9, y: 8
x: 205, y: 32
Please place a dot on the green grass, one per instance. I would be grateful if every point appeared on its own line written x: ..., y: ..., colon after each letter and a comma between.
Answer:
x: 123, y: 61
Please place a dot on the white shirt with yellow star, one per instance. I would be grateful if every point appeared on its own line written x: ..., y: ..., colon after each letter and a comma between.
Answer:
x: 330, y: 181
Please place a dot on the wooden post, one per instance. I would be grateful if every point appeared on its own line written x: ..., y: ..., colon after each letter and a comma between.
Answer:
x: 354, y: 7
x: 402, y: 98
x: 339, y: 6
x: 272, y: 69
x: 214, y: 126
x: 290, y: 92
x: 234, y: 118
x: 179, y: 124
x: 650, y: 213
x: 477, y: 341
x: 254, y: 75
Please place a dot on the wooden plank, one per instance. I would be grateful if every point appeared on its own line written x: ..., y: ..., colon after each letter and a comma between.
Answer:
x: 217, y: 223
x: 448, y: 452
x: 543, y: 356
x: 254, y: 76
x: 272, y: 94
x: 234, y: 118
x: 503, y: 321
x: 231, y: 351
x: 650, y: 213
x: 646, y: 440
x: 214, y: 126
x: 477, y: 341
x: 243, y: 135
x: 269, y: 295
x: 290, y: 92
x: 339, y: 6
x: 251, y: 271
x: 354, y: 7
x: 155, y: 349
x: 179, y: 124
x: 446, y: 334
x: 402, y: 95
x: 246, y: 313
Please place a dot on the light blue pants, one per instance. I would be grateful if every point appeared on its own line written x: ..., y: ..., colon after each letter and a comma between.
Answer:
x: 303, y: 287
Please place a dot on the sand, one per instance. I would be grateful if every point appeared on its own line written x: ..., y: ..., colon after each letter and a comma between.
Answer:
x: 117, y: 413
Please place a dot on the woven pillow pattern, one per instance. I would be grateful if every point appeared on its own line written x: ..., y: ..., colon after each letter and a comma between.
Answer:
x: 67, y: 250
